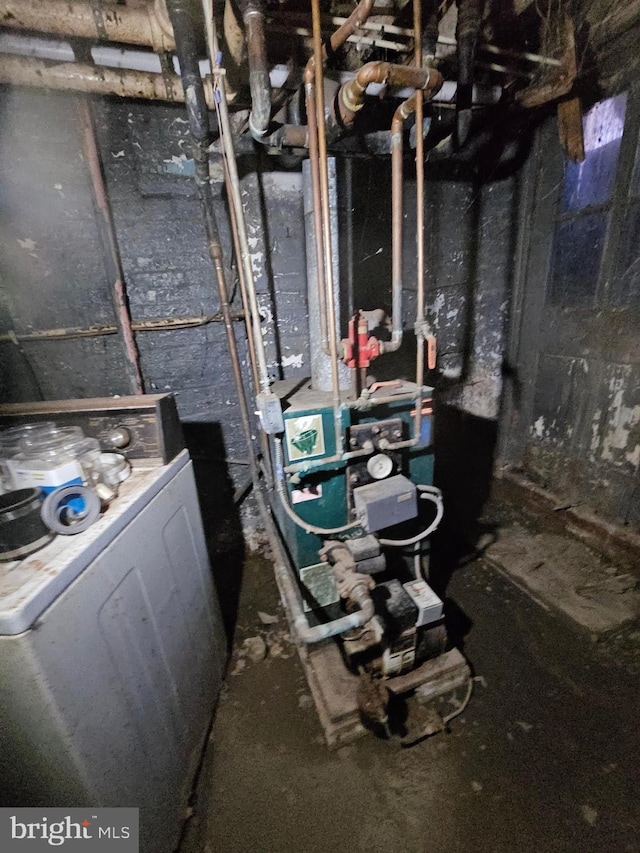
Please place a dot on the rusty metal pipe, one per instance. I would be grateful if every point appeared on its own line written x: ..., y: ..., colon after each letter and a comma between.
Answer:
x: 468, y: 26
x: 147, y: 24
x: 112, y: 254
x: 22, y: 71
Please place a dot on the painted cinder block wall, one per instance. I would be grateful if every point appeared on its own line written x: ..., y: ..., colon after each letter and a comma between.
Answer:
x: 479, y: 288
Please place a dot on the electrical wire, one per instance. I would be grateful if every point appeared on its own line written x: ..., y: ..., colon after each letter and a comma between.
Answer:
x: 284, y: 499
x: 465, y: 702
x: 434, y: 495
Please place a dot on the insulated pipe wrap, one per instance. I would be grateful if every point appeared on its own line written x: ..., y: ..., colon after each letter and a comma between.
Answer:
x: 146, y: 24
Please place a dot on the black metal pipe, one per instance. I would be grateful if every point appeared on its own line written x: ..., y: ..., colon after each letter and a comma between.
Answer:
x: 429, y: 31
x: 184, y: 16
x: 467, y: 33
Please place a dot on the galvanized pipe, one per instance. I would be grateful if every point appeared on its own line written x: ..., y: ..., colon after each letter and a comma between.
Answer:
x: 264, y: 441
x: 112, y: 253
x: 146, y: 24
x: 314, y: 166
x: 98, y: 80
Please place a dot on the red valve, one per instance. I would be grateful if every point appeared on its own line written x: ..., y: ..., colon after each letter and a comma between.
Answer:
x: 359, y: 349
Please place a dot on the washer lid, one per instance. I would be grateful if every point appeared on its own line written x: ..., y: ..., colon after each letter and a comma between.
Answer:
x: 29, y: 586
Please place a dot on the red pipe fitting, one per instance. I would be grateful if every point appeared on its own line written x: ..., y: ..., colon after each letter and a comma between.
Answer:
x: 359, y: 348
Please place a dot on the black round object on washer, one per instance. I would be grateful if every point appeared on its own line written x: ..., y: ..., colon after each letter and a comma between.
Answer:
x: 22, y: 531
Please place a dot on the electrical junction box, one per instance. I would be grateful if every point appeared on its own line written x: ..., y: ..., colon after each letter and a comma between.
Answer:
x: 428, y: 603
x: 385, y: 503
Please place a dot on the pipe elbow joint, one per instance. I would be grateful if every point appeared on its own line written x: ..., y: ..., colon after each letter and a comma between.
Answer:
x: 392, y: 345
x: 433, y: 84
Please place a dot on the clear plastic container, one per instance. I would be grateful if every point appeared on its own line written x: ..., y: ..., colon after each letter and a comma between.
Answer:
x: 11, y: 443
x: 61, y: 457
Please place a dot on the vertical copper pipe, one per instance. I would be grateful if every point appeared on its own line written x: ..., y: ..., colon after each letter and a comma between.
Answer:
x: 114, y: 264
x: 417, y: 44
x: 404, y: 111
x: 315, y: 119
x: 433, y: 84
x: 326, y: 218
x: 314, y: 167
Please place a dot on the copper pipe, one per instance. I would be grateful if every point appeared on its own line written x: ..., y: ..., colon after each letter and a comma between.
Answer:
x: 432, y: 85
x: 253, y: 15
x: 315, y: 118
x: 100, y: 80
x: 113, y: 262
x: 314, y: 167
x: 355, y: 20
x: 417, y: 45
x: 326, y: 219
x: 162, y: 324
x: 147, y: 24
x: 350, y: 98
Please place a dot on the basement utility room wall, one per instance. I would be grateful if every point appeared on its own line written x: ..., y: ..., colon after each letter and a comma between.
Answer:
x: 52, y: 267
x: 573, y: 419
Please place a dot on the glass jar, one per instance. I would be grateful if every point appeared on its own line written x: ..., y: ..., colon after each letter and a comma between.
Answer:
x: 10, y: 444
x: 52, y: 460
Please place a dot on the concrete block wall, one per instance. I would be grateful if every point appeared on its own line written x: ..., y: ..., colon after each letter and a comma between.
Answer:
x: 52, y: 271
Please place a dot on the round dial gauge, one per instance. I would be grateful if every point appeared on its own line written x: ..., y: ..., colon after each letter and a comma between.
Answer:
x: 380, y: 466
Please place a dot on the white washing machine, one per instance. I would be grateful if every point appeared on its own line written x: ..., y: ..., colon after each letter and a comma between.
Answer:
x: 112, y: 653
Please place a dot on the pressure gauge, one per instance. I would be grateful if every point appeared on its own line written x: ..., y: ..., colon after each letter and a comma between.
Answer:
x: 380, y: 466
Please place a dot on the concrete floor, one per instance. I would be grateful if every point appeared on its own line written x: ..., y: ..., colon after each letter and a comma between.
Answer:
x: 546, y: 756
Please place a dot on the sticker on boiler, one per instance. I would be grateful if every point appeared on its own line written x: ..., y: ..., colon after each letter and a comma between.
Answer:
x: 305, y: 437
x: 310, y: 493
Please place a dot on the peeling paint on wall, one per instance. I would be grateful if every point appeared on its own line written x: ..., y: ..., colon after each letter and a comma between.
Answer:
x: 616, y: 437
x: 295, y: 360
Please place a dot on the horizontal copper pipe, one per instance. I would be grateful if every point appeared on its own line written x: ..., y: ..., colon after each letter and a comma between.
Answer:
x: 351, y: 96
